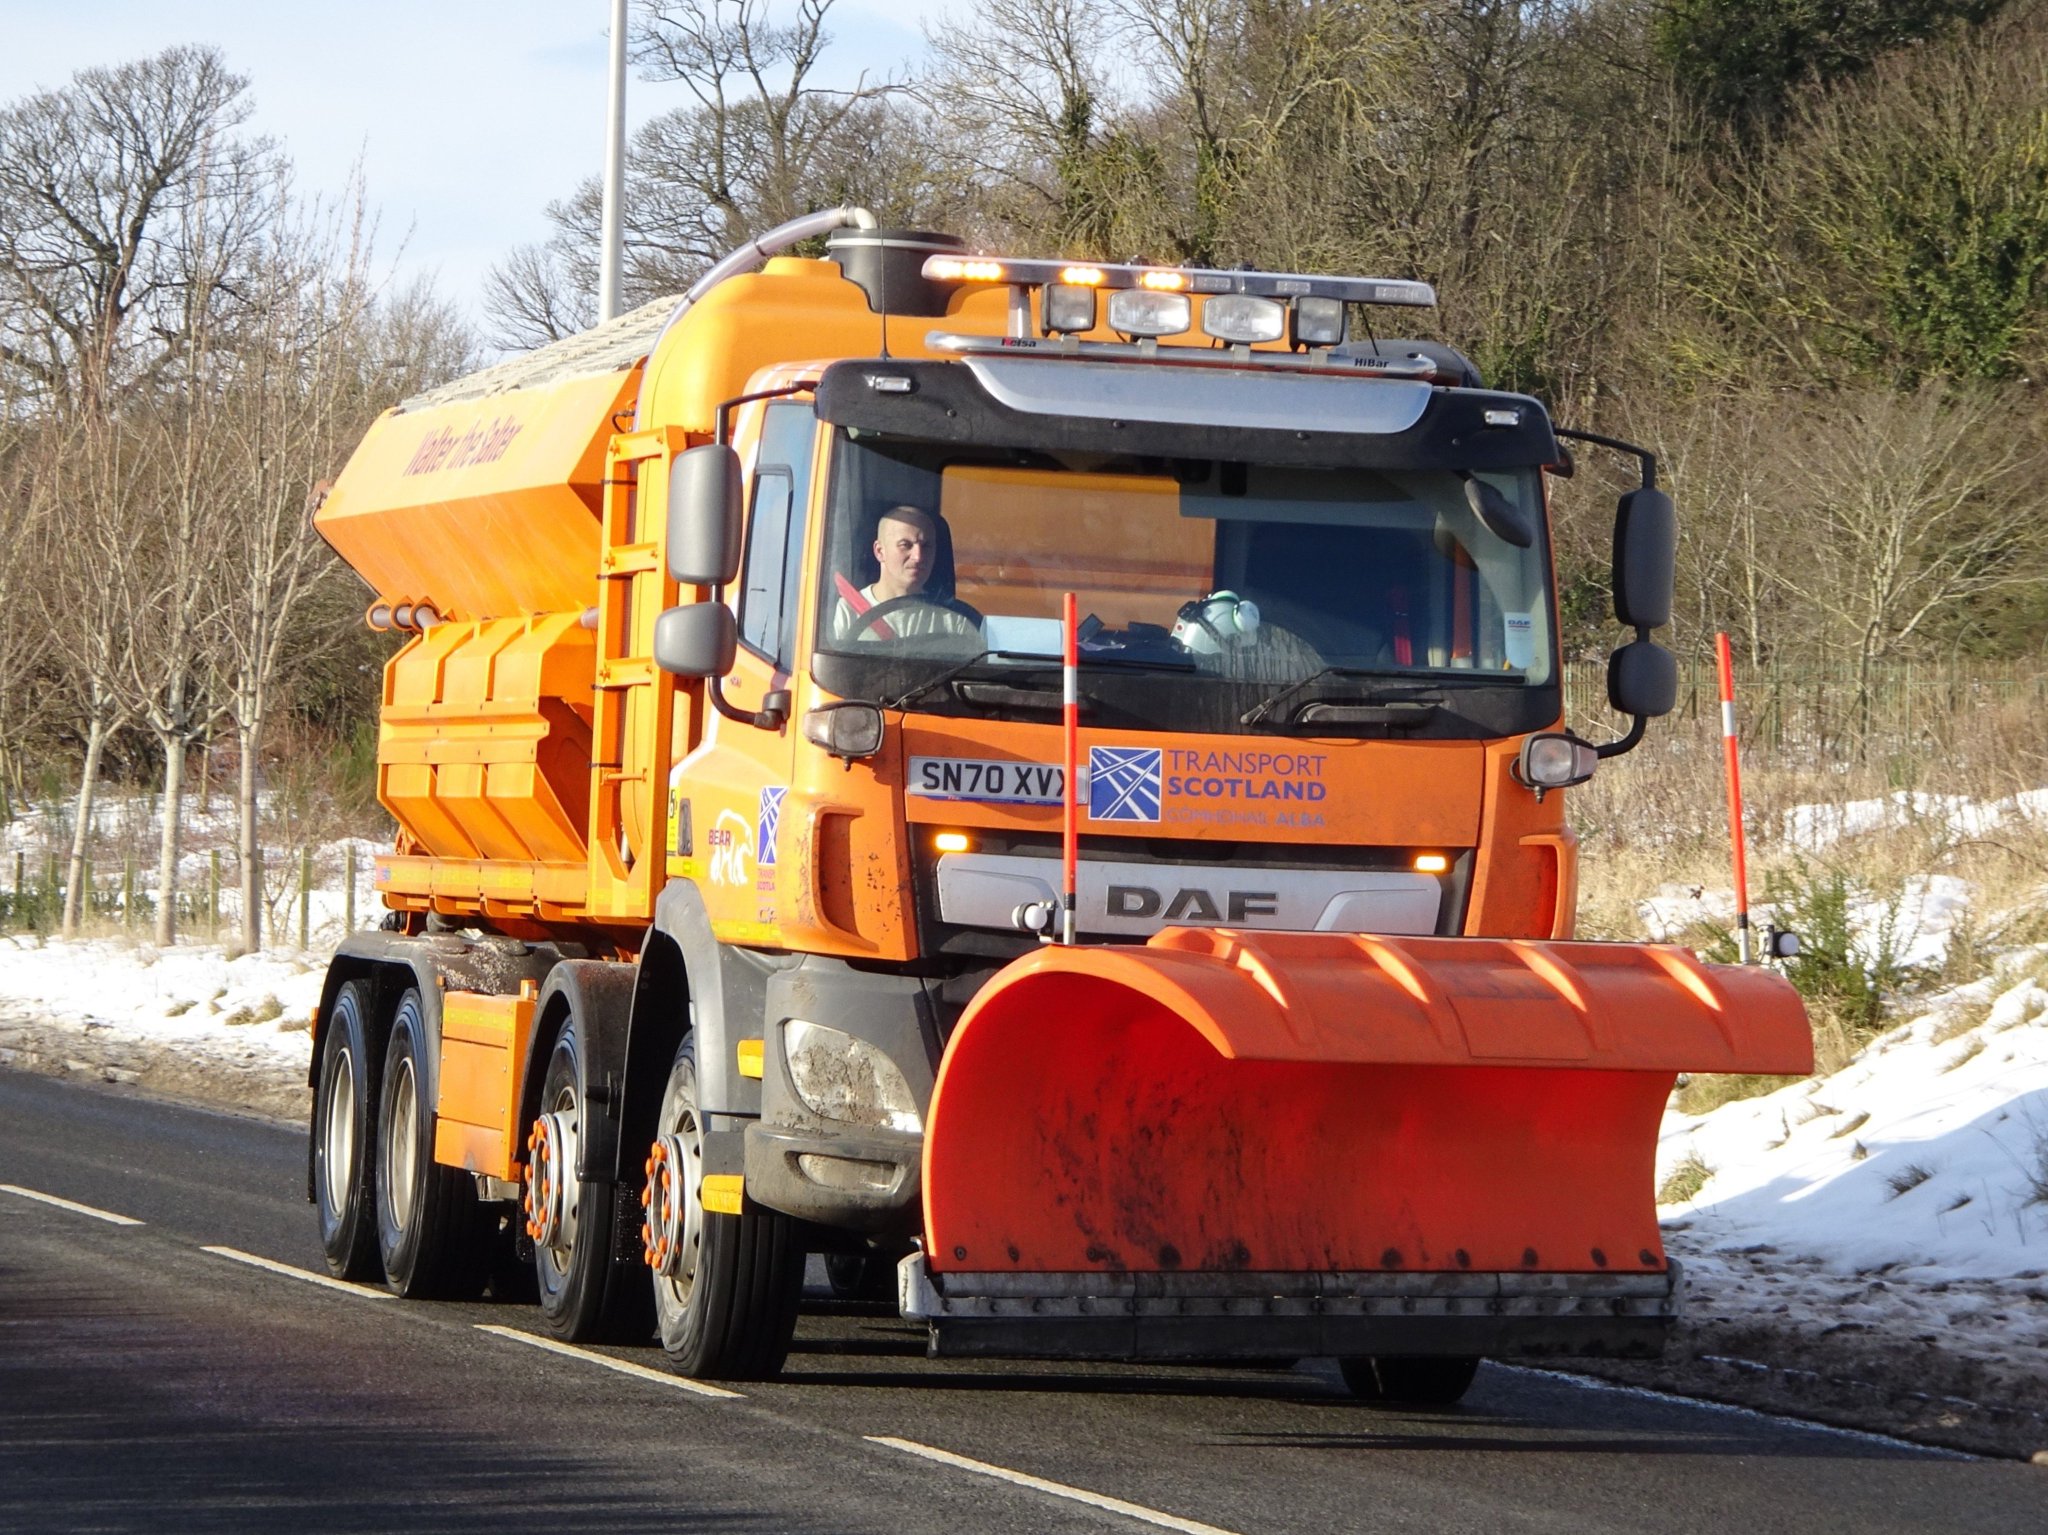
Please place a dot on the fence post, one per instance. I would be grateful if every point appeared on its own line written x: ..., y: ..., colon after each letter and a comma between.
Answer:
x: 85, y: 887
x: 348, y: 897
x: 128, y: 891
x: 305, y: 894
x: 213, y: 892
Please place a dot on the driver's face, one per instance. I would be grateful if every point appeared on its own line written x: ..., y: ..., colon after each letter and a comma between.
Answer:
x: 904, y: 551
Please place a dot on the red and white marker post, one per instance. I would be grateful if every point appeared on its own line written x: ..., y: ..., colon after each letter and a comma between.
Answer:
x: 1070, y: 825
x: 1727, y: 666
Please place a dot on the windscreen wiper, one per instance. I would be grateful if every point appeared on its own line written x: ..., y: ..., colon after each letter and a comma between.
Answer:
x: 953, y: 673
x: 1404, y: 705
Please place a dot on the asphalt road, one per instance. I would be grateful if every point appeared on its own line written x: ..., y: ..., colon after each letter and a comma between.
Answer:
x: 152, y: 1377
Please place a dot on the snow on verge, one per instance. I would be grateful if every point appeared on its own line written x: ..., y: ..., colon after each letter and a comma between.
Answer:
x: 250, y: 1012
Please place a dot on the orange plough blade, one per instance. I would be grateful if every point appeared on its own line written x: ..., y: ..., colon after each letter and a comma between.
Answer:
x: 1237, y: 1103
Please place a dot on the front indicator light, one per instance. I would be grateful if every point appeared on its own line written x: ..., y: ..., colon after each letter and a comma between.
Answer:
x: 1136, y: 312
x: 1431, y: 863
x: 952, y: 842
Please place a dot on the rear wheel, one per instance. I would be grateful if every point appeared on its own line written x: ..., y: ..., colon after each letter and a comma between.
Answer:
x: 1410, y: 1380
x: 344, y: 1124
x: 726, y: 1287
x: 430, y: 1229
x: 586, y: 1294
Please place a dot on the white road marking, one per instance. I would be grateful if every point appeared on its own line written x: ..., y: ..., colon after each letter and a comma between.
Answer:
x: 1056, y: 1489
x: 637, y: 1371
x: 67, y: 1204
x: 360, y: 1291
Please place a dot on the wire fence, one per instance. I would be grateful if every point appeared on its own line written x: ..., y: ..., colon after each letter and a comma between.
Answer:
x: 32, y: 900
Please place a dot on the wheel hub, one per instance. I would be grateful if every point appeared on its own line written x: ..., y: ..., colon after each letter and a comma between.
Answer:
x: 669, y: 1233
x: 551, y: 1149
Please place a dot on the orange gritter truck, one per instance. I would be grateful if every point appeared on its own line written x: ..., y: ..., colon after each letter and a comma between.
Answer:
x: 728, y: 919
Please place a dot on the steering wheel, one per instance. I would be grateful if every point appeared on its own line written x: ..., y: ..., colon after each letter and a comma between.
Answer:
x: 864, y: 624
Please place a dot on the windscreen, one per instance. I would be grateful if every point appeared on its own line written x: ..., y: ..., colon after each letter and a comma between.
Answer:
x: 1216, y: 577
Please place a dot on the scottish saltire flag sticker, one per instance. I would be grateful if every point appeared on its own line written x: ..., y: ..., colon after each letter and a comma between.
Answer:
x: 1123, y: 783
x: 765, y: 824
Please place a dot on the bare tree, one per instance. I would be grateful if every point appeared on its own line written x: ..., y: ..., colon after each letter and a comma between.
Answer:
x: 95, y: 180
x: 1908, y: 508
x: 318, y: 357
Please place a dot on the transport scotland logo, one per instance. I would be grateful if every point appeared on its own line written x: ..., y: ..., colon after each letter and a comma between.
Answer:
x: 767, y: 822
x: 1123, y: 783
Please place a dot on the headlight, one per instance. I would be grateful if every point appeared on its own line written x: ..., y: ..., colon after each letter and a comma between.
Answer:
x: 840, y: 1077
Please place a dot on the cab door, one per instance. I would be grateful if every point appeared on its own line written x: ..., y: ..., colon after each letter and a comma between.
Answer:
x: 728, y: 794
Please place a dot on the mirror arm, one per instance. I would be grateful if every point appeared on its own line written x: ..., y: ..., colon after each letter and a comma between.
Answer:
x: 1642, y: 456
x: 1638, y: 723
x: 725, y: 410
x: 774, y: 710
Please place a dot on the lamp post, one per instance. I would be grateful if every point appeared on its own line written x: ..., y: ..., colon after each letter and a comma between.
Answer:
x: 610, y: 226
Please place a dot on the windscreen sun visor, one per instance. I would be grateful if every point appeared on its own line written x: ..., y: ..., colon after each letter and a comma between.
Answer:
x: 1065, y: 405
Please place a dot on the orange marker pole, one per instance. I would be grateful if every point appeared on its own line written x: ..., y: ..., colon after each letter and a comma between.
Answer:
x: 1727, y: 666
x: 1070, y: 825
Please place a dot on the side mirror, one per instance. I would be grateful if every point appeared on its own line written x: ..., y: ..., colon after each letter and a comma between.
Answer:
x: 698, y: 639
x: 1645, y: 559
x: 704, y: 518
x: 1642, y: 678
x: 1500, y: 516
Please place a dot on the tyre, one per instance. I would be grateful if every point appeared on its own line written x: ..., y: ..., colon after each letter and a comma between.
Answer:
x: 586, y: 1293
x: 344, y: 1135
x: 726, y: 1287
x: 868, y: 1276
x: 1410, y: 1380
x: 430, y: 1234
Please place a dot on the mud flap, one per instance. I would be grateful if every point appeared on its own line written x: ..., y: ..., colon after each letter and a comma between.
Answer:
x: 1228, y: 1103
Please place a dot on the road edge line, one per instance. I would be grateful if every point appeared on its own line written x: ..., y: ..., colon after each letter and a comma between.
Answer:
x: 624, y: 1367
x: 272, y: 1266
x: 1056, y: 1489
x: 70, y: 1204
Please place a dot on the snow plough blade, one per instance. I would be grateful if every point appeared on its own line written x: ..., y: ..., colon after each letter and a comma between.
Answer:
x: 1228, y: 1142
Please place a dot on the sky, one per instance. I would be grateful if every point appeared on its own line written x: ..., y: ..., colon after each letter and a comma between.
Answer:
x: 468, y: 116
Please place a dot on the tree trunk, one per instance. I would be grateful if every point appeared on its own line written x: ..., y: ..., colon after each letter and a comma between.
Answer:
x: 249, y: 850
x: 167, y: 847
x: 81, y: 831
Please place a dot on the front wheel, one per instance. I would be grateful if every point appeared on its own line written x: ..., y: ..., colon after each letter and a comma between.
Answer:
x: 726, y: 1287
x: 1410, y: 1380
x: 344, y: 1136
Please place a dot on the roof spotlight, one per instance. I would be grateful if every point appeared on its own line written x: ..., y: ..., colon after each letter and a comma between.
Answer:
x: 1243, y: 318
x: 1317, y: 322
x: 1068, y: 307
x: 1143, y: 312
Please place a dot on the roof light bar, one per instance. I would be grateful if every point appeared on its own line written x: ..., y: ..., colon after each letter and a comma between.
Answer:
x: 1397, y: 292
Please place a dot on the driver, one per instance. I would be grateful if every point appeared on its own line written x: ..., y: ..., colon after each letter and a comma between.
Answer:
x: 906, y: 549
